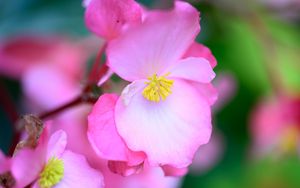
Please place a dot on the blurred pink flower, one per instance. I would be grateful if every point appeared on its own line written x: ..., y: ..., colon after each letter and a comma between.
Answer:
x: 226, y: 86
x: 50, y: 164
x: 275, y: 124
x: 170, y: 123
x: 22, y: 53
x: 50, y: 69
x: 108, y: 18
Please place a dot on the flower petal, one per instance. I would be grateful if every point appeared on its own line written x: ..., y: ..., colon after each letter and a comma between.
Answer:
x: 105, y: 77
x: 199, y: 50
x: 27, y: 164
x: 103, y: 135
x: 169, y: 132
x: 171, y: 171
x: 123, y: 169
x: 193, y: 69
x: 107, y: 18
x: 57, y: 144
x: 78, y: 173
x: 207, y: 90
x: 155, y: 45
x: 49, y: 86
x: 5, y: 163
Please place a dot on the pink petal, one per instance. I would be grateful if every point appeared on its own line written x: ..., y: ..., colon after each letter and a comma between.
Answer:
x: 78, y: 173
x: 193, y: 69
x: 105, y: 77
x: 57, y: 144
x: 207, y: 90
x: 123, y: 169
x: 154, y: 46
x: 169, y: 132
x: 103, y: 135
x: 150, y: 177
x: 49, y: 87
x: 27, y: 164
x: 171, y: 171
x: 5, y: 163
x: 107, y: 18
x: 199, y: 50
x: 19, y: 54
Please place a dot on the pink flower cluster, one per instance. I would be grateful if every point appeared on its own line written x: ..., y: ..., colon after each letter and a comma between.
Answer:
x: 163, y: 115
x: 152, y: 128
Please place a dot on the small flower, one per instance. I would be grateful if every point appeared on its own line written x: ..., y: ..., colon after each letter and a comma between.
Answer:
x: 275, y: 126
x: 50, y: 165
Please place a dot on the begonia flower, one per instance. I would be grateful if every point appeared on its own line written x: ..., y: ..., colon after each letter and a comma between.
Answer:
x: 108, y: 18
x: 160, y: 113
x: 51, y: 165
x: 275, y: 126
x: 22, y: 53
x: 36, y: 60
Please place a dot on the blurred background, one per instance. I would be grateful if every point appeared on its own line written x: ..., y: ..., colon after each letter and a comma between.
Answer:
x: 256, y: 138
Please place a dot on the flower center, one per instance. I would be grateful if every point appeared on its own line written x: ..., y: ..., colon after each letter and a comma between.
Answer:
x: 158, y: 88
x: 52, y: 173
x: 289, y: 140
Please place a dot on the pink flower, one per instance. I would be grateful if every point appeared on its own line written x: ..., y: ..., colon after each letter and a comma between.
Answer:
x: 108, y: 18
x: 275, y: 126
x: 50, y: 164
x: 20, y: 54
x: 167, y: 125
x: 160, y: 113
x: 39, y: 60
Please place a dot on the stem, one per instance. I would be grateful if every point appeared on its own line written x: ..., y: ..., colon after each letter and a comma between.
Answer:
x: 97, y: 67
x: 270, y: 54
x: 72, y: 103
x: 98, y: 70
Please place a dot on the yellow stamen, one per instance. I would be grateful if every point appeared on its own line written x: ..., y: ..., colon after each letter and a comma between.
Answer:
x: 290, y: 139
x: 158, y: 88
x: 52, y: 174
